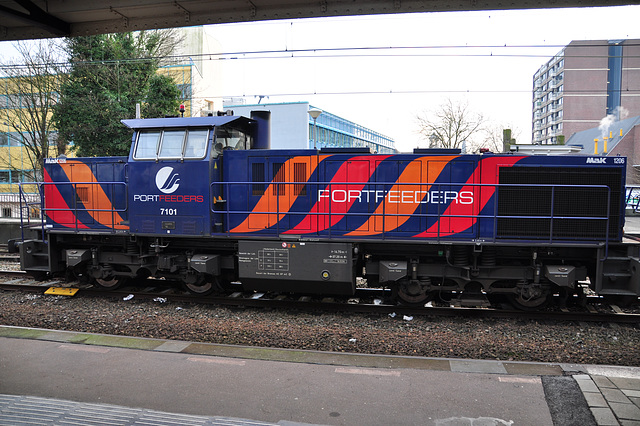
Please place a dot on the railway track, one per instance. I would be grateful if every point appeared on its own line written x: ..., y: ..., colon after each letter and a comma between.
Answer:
x: 371, y: 301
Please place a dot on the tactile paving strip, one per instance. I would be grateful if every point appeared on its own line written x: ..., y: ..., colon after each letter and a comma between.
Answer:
x: 29, y: 410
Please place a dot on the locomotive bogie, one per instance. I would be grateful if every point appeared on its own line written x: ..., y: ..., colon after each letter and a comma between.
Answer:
x: 528, y: 279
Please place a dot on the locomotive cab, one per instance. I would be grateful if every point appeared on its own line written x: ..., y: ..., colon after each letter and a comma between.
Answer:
x: 174, y: 168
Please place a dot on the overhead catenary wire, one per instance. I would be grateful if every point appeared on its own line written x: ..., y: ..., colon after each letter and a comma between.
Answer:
x: 462, y: 51
x: 334, y: 52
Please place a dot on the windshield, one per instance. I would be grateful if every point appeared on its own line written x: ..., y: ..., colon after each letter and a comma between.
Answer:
x: 171, y: 144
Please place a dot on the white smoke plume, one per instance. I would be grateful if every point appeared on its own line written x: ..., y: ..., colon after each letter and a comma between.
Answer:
x: 619, y: 114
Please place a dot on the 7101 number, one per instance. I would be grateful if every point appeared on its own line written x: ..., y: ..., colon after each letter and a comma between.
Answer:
x: 168, y: 212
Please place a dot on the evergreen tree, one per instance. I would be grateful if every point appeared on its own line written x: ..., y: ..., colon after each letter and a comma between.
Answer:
x: 110, y: 73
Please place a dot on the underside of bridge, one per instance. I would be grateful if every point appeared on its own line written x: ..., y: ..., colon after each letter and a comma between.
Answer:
x: 30, y: 19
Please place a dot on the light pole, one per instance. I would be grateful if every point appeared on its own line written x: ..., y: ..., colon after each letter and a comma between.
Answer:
x: 315, y: 113
x: 433, y: 139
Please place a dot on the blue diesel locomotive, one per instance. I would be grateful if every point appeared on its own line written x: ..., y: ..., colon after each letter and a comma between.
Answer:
x: 205, y: 201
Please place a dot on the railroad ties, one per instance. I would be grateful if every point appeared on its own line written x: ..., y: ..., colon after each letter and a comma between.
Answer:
x: 376, y: 301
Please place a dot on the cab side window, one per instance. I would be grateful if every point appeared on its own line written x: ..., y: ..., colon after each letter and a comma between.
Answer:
x: 229, y: 138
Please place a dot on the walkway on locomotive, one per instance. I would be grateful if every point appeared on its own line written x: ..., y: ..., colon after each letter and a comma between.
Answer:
x: 181, y: 179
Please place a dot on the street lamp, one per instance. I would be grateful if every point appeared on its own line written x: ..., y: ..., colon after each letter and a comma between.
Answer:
x: 315, y: 113
x: 433, y: 139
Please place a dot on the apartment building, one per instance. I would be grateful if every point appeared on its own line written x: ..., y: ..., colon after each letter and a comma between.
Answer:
x: 582, y: 85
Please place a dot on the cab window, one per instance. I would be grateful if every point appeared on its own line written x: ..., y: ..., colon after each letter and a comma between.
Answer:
x: 147, y: 146
x: 172, y: 141
x: 196, y: 146
x: 228, y: 138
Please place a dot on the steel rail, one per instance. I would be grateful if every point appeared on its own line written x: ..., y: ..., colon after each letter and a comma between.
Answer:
x: 354, y: 304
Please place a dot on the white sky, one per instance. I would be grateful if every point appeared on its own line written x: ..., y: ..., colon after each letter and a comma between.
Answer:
x: 498, y: 86
x: 495, y: 85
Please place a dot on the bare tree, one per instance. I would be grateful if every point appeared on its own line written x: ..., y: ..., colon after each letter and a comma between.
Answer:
x: 30, y: 90
x: 450, y: 125
x: 495, y: 139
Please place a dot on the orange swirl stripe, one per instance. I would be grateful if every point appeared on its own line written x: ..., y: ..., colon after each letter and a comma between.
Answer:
x: 262, y: 215
x: 486, y: 173
x: 325, y: 213
x: 419, y: 170
x: 77, y: 171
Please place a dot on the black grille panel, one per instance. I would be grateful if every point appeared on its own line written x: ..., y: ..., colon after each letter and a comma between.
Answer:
x: 572, y: 203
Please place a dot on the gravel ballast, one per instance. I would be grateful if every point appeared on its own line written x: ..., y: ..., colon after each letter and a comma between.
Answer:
x: 504, y: 339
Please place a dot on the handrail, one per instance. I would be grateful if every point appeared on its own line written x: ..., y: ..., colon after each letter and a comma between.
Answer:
x: 365, y: 187
x: 22, y: 195
x: 77, y: 204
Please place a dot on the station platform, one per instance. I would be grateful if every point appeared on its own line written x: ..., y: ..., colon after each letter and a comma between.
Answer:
x: 632, y: 224
x: 56, y: 377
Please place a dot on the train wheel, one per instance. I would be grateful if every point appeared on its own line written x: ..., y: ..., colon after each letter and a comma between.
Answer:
x: 111, y: 283
x: 201, y: 287
x: 519, y: 301
x: 412, y: 292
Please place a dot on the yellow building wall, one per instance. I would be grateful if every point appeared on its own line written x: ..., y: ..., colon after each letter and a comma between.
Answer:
x: 14, y: 157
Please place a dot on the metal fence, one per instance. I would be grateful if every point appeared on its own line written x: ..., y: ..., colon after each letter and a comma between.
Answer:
x: 10, y: 206
x: 632, y: 198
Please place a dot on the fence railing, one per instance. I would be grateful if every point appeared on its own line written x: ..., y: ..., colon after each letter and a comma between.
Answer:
x: 632, y: 197
x: 10, y: 205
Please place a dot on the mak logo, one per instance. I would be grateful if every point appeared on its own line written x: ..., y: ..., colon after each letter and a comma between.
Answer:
x: 601, y: 160
x: 167, y: 180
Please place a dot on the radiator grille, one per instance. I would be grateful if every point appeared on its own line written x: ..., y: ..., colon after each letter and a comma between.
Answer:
x: 564, y: 201
x: 189, y: 227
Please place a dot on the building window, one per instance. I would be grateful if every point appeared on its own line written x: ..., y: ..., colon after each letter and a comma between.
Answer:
x: 15, y: 139
x: 185, y: 90
x: 5, y: 176
x: 10, y: 139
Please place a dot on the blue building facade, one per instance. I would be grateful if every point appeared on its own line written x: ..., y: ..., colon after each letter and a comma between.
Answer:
x: 293, y: 128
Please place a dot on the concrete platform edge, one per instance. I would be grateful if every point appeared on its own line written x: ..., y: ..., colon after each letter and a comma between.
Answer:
x: 610, y: 394
x: 316, y: 357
